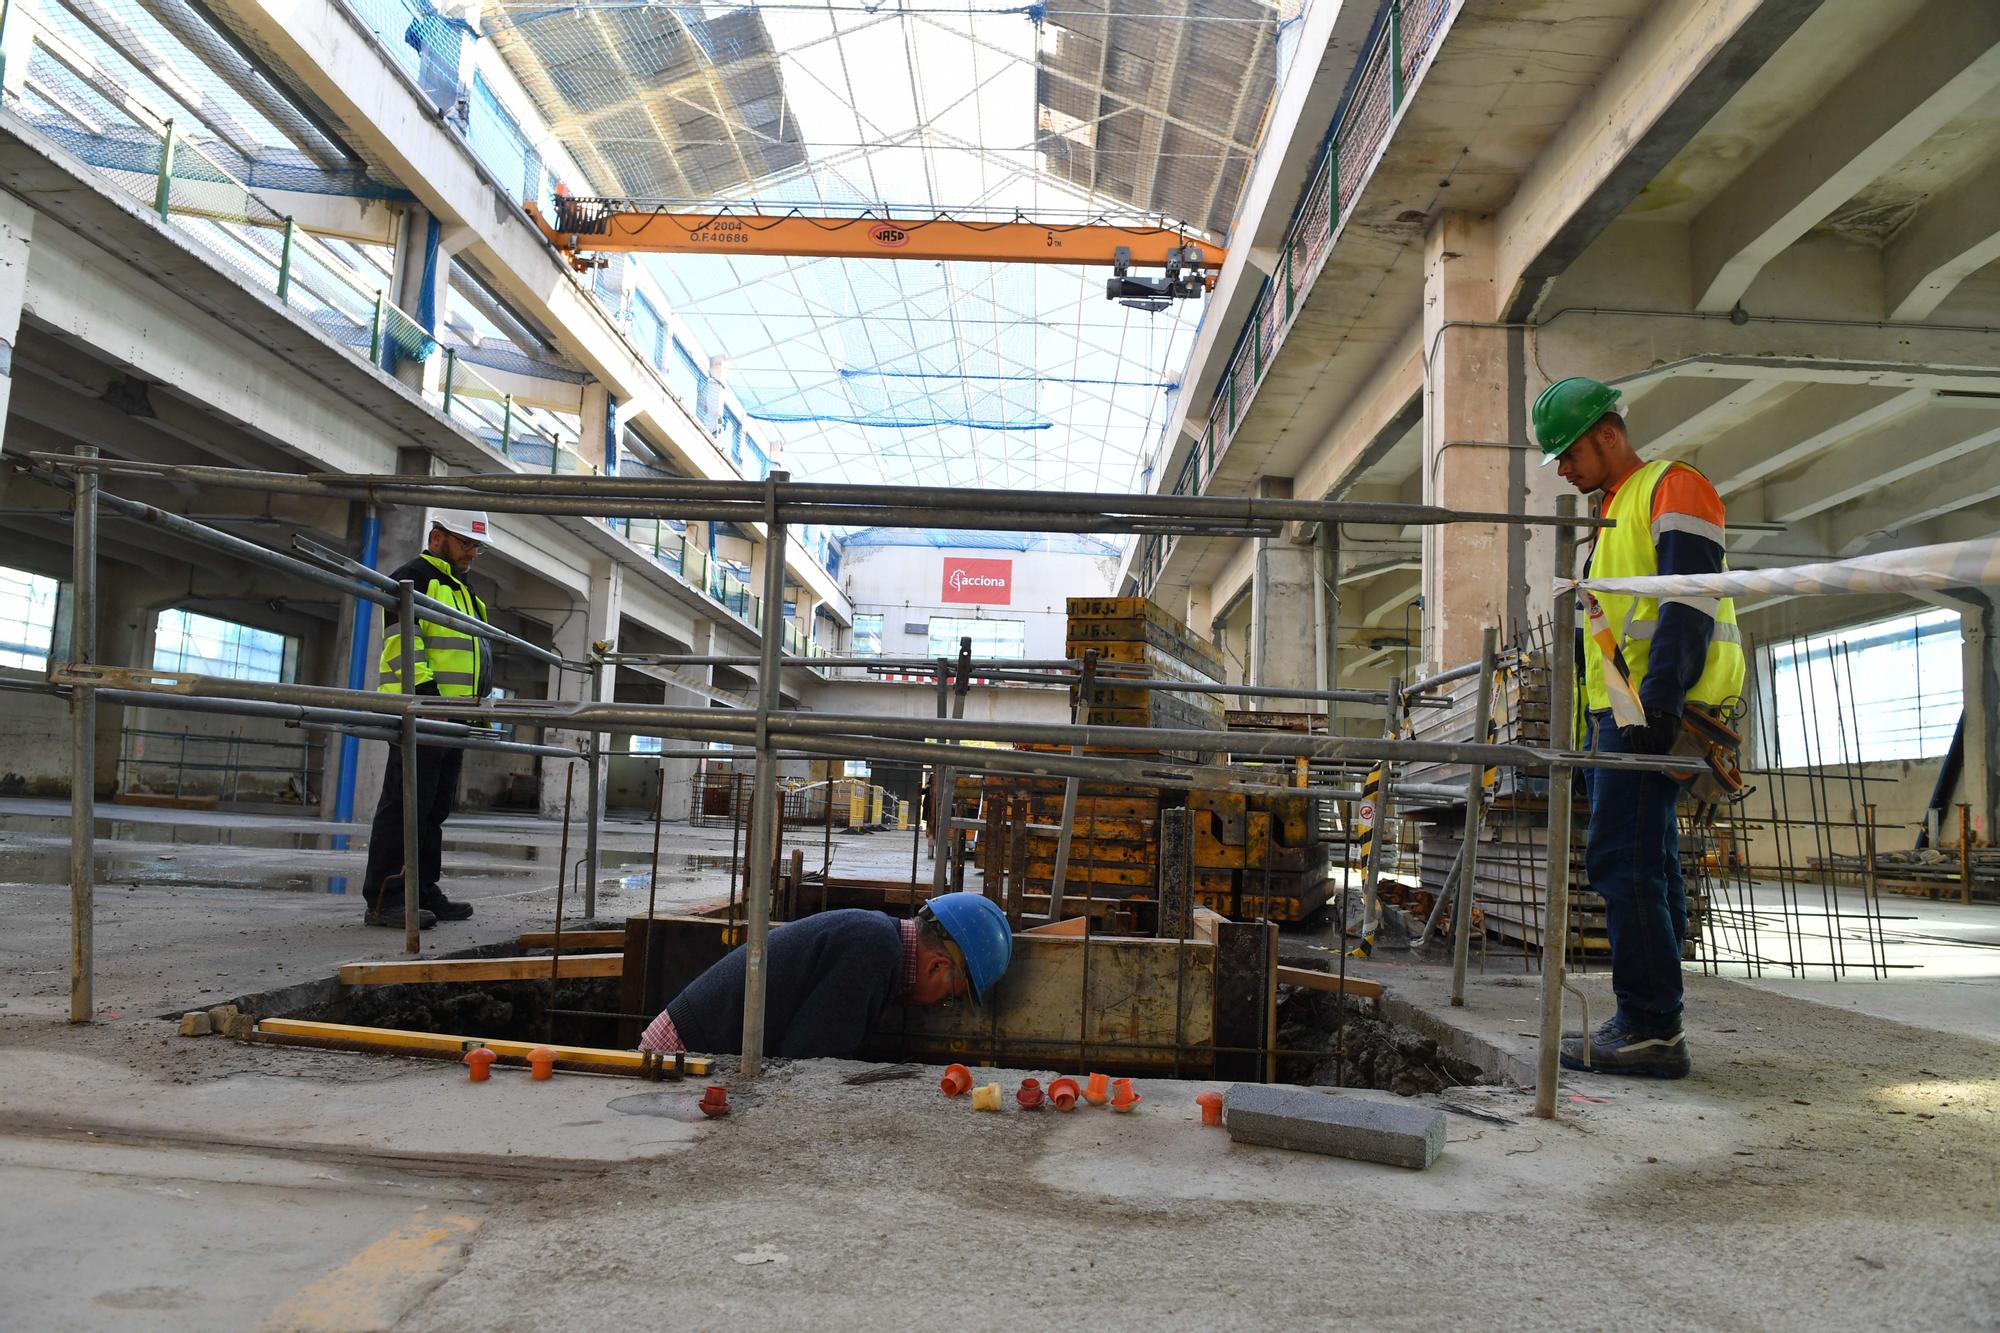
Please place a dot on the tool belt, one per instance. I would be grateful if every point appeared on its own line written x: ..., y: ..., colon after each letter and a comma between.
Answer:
x: 1710, y: 736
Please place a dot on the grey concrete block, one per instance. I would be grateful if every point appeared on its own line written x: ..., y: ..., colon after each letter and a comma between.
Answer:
x: 1298, y: 1118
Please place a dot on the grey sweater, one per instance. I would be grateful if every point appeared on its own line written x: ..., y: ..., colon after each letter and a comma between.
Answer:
x: 827, y: 979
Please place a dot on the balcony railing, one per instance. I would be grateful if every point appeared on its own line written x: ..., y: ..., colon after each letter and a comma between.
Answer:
x: 1406, y: 37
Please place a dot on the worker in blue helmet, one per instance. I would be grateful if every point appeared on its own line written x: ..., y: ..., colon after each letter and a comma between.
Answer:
x: 828, y: 977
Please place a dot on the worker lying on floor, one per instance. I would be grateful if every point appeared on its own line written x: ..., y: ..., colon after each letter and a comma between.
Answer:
x: 828, y: 978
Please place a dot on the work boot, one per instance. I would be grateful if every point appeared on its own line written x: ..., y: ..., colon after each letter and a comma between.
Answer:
x: 1616, y: 1049
x: 392, y: 916
x: 443, y: 908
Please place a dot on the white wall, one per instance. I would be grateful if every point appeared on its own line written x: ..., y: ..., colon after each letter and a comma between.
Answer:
x: 905, y: 585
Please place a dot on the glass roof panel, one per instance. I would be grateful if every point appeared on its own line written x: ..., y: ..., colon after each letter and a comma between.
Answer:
x: 954, y: 373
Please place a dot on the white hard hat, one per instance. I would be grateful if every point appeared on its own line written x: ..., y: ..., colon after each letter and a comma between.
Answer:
x: 467, y: 523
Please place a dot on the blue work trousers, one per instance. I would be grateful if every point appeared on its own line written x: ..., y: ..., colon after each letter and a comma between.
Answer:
x: 1632, y: 854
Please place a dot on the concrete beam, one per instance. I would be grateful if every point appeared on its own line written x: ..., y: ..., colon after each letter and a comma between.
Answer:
x: 1887, y: 511
x: 1866, y: 463
x: 1685, y: 410
x: 1812, y: 422
x: 1937, y: 65
x: 1386, y: 410
x: 1954, y: 235
x: 1685, y: 61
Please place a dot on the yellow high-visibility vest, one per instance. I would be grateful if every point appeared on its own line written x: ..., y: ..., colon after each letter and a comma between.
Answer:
x: 1631, y: 550
x: 452, y: 660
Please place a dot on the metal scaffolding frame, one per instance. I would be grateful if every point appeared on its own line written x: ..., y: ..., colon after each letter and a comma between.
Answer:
x: 767, y: 730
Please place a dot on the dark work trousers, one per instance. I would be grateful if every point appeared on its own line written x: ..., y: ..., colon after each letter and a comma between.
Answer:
x: 437, y: 791
x: 1632, y: 853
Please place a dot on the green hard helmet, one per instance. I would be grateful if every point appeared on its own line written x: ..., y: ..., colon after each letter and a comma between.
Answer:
x: 1566, y: 410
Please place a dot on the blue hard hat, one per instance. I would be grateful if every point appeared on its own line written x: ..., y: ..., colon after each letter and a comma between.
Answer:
x: 979, y: 928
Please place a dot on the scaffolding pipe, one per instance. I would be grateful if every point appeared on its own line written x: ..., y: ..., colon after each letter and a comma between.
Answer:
x: 406, y: 622
x: 348, y: 576
x: 83, y: 747
x: 441, y: 612
x: 593, y: 801
x: 1555, y: 913
x: 764, y: 813
x: 378, y: 733
x: 350, y: 722
x: 1475, y: 791
x: 908, y: 506
x: 802, y: 729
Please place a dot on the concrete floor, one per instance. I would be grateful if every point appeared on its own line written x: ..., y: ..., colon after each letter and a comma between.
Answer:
x: 1825, y: 1166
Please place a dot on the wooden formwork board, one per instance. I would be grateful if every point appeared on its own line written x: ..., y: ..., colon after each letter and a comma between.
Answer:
x: 1046, y: 1013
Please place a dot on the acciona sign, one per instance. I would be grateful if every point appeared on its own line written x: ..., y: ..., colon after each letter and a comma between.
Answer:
x: 985, y: 582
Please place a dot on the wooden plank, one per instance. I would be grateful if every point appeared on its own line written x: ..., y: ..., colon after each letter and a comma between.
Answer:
x: 1328, y: 982
x: 569, y: 967
x: 579, y: 940
x: 400, y: 1041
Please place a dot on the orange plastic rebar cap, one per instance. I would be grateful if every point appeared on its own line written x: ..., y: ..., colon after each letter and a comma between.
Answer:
x: 1095, y: 1090
x: 1122, y: 1096
x: 1211, y: 1107
x: 541, y: 1063
x: 479, y: 1063
x: 956, y: 1081
x: 1063, y: 1093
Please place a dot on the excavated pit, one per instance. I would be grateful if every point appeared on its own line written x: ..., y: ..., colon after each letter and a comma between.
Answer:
x: 502, y: 1010
x: 1377, y: 1053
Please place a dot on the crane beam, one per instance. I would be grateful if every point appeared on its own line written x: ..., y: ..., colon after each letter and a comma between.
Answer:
x: 610, y: 227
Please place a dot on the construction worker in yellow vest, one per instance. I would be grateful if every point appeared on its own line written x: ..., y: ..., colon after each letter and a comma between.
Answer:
x: 1671, y: 652
x: 447, y: 663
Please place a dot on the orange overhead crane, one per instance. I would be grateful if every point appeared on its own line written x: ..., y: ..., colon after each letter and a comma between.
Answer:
x: 584, y: 227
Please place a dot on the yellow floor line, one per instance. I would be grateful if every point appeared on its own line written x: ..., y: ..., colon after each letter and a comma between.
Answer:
x: 378, y: 1286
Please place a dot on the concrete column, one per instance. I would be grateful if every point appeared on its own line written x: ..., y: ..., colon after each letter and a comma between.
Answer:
x: 1979, y: 780
x: 597, y: 438
x: 17, y: 227
x: 594, y: 620
x: 1326, y: 604
x: 128, y: 608
x: 417, y: 286
x: 1201, y: 612
x: 1282, y: 647
x: 1467, y: 464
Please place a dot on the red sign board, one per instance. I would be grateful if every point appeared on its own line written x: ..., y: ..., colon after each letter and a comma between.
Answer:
x: 986, y: 582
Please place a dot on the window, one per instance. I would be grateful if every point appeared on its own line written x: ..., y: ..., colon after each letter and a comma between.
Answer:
x: 867, y: 636
x: 646, y: 745
x: 684, y: 377
x: 855, y: 768
x: 1891, y: 689
x: 27, y: 618
x: 186, y: 641
x: 990, y: 638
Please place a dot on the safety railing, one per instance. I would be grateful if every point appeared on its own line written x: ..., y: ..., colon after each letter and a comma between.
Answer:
x: 524, y: 435
x: 1406, y: 37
